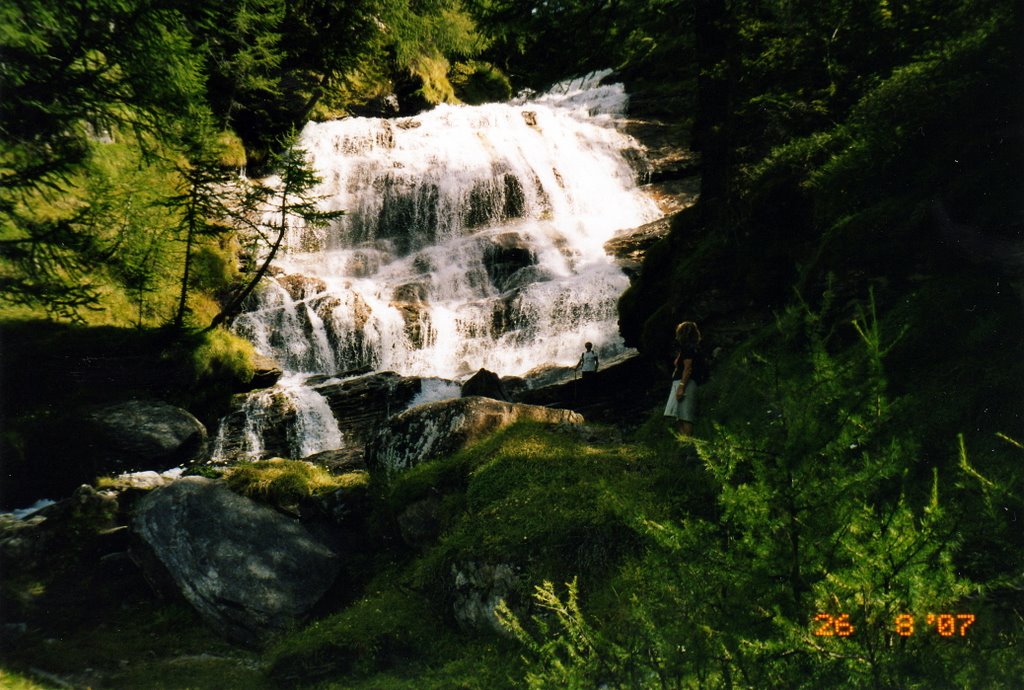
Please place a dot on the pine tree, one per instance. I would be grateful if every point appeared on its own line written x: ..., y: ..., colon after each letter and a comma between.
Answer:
x: 290, y: 201
x: 208, y: 198
x: 74, y: 75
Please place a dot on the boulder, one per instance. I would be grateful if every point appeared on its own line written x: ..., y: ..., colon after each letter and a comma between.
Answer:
x: 441, y: 428
x: 248, y: 570
x: 630, y: 246
x: 42, y: 540
x: 477, y: 590
x: 141, y: 435
x: 485, y: 384
x: 340, y: 460
x: 514, y: 386
x: 361, y: 403
x: 301, y: 287
x: 420, y: 522
x: 266, y: 372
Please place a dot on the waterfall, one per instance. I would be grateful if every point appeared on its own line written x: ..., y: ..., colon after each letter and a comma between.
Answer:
x: 472, y: 237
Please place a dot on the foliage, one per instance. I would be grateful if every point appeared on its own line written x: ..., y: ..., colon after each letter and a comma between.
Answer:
x: 572, y: 653
x: 819, y: 511
x: 530, y: 42
x: 477, y: 82
x: 15, y: 681
x: 71, y: 77
x: 170, y: 92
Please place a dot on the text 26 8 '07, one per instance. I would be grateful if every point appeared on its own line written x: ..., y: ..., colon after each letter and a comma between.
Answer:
x: 904, y: 625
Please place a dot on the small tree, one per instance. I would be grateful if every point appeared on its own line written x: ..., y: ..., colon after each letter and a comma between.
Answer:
x: 292, y: 198
x: 205, y: 197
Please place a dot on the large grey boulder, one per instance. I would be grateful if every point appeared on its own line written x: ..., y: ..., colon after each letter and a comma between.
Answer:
x: 441, y: 428
x: 248, y: 570
x: 141, y: 435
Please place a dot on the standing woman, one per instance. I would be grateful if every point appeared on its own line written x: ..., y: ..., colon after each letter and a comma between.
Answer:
x: 687, y: 374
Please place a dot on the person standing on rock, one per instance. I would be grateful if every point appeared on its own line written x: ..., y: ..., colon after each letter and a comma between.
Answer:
x: 688, y: 374
x: 588, y: 366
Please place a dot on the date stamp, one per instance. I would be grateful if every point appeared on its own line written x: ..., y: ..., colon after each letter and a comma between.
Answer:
x: 904, y: 625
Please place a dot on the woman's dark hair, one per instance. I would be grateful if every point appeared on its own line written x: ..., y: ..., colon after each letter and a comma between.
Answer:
x: 687, y: 333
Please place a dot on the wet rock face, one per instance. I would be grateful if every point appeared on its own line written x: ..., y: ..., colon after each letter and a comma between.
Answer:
x: 301, y: 287
x: 504, y: 256
x: 359, y: 403
x: 248, y: 570
x: 362, y: 403
x: 276, y: 419
x: 498, y: 199
x: 630, y: 246
x: 412, y: 302
x: 266, y: 372
x: 485, y: 384
x: 441, y: 428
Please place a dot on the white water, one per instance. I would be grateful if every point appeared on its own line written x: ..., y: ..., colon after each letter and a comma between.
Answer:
x: 407, y: 280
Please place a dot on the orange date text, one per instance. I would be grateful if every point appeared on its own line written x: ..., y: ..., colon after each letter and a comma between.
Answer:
x: 904, y: 625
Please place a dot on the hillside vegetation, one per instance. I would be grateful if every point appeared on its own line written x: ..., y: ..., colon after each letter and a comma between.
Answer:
x: 856, y: 254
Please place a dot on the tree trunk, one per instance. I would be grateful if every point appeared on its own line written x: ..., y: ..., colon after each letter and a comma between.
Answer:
x: 235, y: 304
x: 179, y: 317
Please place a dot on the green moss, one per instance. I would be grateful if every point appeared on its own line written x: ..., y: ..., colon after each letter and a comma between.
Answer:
x: 286, y: 482
x: 383, y: 630
x: 211, y: 366
x: 546, y: 503
x: 232, y: 152
x: 15, y: 681
x: 478, y: 82
x: 220, y: 354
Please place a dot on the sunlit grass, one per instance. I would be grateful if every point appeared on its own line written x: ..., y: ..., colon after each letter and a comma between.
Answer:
x: 289, y: 481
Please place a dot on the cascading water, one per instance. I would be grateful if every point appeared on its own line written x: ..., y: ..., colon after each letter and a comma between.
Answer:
x: 473, y: 237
